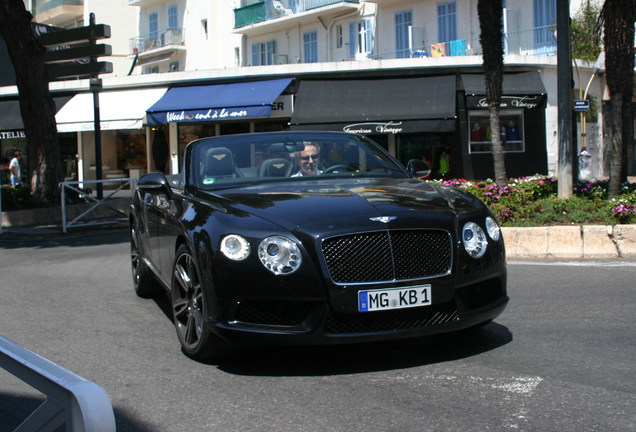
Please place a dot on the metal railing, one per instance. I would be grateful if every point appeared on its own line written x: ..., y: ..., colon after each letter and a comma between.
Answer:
x: 72, y: 400
x: 272, y: 9
x: 535, y: 41
x: 84, y: 195
x: 159, y: 39
x: 51, y: 4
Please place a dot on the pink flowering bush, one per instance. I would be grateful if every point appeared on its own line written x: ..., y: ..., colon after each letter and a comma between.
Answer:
x: 534, y: 201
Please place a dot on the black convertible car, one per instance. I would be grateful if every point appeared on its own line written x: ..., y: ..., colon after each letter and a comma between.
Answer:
x: 311, y: 238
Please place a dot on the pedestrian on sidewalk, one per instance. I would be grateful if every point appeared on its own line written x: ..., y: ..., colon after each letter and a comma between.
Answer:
x: 16, y: 171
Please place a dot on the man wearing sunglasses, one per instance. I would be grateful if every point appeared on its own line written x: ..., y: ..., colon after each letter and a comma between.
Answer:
x: 308, y: 160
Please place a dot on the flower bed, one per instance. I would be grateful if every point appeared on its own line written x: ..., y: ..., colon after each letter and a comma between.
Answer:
x: 534, y: 201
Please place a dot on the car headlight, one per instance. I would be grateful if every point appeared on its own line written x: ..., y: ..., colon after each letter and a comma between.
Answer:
x: 235, y: 247
x: 279, y: 255
x: 492, y: 228
x: 474, y: 238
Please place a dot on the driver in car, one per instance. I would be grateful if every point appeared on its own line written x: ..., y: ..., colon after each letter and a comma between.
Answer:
x: 307, y: 160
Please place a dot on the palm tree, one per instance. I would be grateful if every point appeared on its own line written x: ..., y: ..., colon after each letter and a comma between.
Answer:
x: 36, y: 103
x: 491, y: 38
x: 618, y: 18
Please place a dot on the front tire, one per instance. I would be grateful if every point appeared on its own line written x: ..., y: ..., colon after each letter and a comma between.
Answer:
x: 189, y: 309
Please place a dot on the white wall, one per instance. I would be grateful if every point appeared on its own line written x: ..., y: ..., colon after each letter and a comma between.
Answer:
x: 122, y: 20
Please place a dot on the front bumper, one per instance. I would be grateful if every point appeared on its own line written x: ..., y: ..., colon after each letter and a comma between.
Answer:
x: 316, y: 323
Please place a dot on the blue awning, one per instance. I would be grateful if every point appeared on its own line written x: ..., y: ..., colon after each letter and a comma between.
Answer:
x: 217, y: 102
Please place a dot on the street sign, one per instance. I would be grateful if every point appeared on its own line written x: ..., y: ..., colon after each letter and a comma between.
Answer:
x: 74, y: 35
x: 582, y: 105
x: 79, y: 52
x: 74, y: 52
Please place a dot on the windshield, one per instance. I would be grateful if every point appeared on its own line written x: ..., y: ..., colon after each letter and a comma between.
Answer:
x: 288, y: 156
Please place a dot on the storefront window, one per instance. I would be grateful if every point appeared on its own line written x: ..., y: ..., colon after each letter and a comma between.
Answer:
x: 271, y: 126
x: 434, y: 149
x: 234, y: 128
x: 131, y: 150
x: 511, y: 131
x: 68, y: 155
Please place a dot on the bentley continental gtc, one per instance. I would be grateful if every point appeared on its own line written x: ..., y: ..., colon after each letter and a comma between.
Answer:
x: 310, y: 238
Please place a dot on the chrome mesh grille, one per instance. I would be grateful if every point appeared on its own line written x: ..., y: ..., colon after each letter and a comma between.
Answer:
x: 387, y: 255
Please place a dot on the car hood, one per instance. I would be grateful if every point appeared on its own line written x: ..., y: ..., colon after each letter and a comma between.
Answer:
x: 340, y: 204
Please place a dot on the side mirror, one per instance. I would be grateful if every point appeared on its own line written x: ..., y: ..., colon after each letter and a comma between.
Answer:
x: 155, y: 182
x: 418, y: 168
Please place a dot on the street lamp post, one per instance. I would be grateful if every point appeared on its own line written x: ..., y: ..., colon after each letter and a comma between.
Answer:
x: 598, y: 71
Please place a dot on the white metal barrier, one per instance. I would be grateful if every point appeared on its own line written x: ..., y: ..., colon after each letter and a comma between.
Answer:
x: 72, y: 400
x: 124, y: 182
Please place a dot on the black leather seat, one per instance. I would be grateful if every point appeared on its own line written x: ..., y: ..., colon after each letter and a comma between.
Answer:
x: 219, y: 164
x: 277, y: 167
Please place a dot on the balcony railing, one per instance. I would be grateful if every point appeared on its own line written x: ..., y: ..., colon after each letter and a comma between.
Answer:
x: 52, y: 4
x: 536, y: 41
x: 156, y: 40
x: 273, y: 9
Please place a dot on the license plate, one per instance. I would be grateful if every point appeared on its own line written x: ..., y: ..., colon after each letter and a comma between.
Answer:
x: 394, y: 298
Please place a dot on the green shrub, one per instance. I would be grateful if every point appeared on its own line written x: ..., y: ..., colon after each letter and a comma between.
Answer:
x: 17, y: 198
x: 534, y: 201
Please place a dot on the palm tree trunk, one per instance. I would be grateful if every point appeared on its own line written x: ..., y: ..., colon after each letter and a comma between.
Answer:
x: 491, y: 39
x: 618, y: 18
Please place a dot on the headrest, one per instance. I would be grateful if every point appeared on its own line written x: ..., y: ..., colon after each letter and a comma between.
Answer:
x: 219, y: 163
x: 277, y: 167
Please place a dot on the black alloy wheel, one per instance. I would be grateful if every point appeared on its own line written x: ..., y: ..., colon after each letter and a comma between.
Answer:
x: 189, y: 310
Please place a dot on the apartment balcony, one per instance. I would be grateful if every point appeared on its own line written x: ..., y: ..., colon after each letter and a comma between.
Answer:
x: 269, y: 12
x: 58, y: 12
x: 144, y: 2
x: 161, y: 44
x: 535, y: 41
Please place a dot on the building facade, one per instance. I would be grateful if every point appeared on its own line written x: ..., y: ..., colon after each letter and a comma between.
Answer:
x: 408, y: 74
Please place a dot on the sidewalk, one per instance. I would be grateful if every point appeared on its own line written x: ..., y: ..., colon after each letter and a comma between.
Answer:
x: 556, y: 242
x: 49, y: 221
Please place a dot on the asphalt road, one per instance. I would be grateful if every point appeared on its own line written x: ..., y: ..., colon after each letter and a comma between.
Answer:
x: 561, y: 357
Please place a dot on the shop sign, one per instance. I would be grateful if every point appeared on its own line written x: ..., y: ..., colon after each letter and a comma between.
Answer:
x: 211, y: 114
x: 525, y: 102
x: 282, y: 106
x: 12, y: 134
x: 582, y: 105
x: 374, y: 128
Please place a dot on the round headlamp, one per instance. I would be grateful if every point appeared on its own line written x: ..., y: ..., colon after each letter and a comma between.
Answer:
x: 474, y: 239
x: 235, y: 247
x: 279, y: 255
x: 492, y: 228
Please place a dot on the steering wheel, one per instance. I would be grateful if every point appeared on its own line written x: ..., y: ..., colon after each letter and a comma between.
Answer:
x: 336, y: 168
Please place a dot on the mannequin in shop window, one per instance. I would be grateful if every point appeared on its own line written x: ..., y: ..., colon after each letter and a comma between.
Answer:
x: 512, y: 131
x: 445, y: 164
x: 477, y: 133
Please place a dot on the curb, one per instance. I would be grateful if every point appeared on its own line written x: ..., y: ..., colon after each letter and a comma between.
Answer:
x: 571, y: 242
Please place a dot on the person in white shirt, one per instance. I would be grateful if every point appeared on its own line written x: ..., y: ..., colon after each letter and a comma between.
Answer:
x: 16, y: 171
x: 307, y: 160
